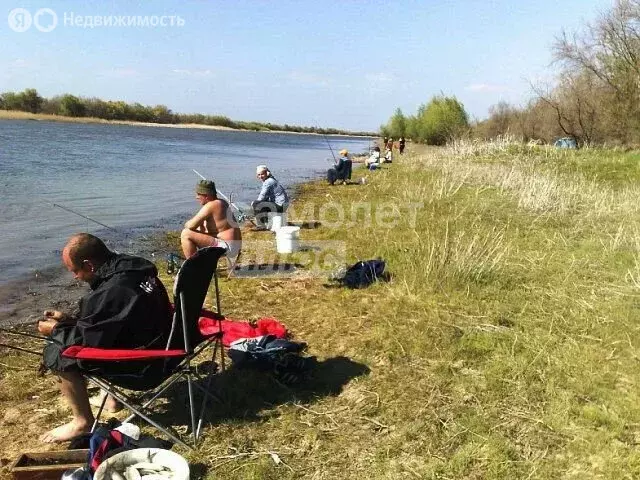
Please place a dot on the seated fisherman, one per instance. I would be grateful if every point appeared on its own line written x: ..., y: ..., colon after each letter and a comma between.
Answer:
x: 373, y: 161
x: 272, y: 198
x: 127, y: 307
x: 213, y: 225
x: 342, y: 169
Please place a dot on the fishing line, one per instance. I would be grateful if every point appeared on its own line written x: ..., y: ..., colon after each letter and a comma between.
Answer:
x: 172, y: 264
x: 84, y: 216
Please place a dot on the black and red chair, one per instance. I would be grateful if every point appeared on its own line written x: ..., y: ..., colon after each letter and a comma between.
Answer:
x: 147, y: 374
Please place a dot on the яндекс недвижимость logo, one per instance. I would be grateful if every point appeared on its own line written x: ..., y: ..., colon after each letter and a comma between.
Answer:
x: 44, y: 19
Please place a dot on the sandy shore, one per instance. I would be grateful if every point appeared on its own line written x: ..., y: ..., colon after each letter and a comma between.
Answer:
x: 17, y: 115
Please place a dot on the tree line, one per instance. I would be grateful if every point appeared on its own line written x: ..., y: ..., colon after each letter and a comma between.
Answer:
x: 435, y: 123
x: 68, y: 105
x: 595, y: 98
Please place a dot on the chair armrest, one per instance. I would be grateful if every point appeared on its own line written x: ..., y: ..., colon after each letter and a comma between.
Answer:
x: 115, y: 355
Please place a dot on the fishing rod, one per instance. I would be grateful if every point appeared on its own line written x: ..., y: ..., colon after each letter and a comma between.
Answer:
x: 335, y: 160
x: 23, y: 334
x: 32, y: 352
x: 242, y: 216
x: 83, y: 216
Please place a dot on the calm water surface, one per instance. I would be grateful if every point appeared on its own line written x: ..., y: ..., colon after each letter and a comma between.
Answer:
x: 138, y: 180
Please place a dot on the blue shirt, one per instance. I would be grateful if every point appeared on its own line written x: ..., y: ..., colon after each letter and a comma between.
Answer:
x: 272, y: 191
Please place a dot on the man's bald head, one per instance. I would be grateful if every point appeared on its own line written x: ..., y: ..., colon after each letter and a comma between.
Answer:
x: 84, y: 246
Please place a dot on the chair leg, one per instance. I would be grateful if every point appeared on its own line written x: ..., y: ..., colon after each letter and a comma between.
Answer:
x: 157, y: 395
x: 231, y: 265
x: 141, y: 414
x: 206, y: 392
x: 192, y: 410
x: 97, y: 417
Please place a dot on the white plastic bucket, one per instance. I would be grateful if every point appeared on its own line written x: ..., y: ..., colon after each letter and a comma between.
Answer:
x: 288, y: 239
x: 157, y: 456
x: 276, y: 222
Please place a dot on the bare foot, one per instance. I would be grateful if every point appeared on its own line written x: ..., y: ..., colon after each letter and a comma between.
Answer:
x: 111, y: 406
x: 65, y: 432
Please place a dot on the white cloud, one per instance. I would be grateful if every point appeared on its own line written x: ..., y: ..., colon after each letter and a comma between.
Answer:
x: 309, y: 79
x: 192, y: 73
x: 484, y: 87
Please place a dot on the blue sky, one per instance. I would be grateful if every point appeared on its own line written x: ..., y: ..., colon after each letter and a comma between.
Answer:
x: 347, y: 64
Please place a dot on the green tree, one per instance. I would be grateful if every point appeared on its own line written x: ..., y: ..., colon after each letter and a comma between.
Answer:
x: 72, y: 106
x: 30, y: 100
x: 10, y: 101
x: 442, y: 119
x: 162, y: 114
x: 397, y: 126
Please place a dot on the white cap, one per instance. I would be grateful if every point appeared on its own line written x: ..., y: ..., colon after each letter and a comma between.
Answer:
x: 261, y: 168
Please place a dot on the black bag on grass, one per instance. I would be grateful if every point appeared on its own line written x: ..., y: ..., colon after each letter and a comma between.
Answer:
x: 362, y: 274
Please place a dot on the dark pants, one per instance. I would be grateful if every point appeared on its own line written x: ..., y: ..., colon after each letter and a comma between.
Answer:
x: 262, y: 210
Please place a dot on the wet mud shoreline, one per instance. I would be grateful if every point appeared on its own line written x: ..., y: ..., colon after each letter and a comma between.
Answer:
x: 23, y: 300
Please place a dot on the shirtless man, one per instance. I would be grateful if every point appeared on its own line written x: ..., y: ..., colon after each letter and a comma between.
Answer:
x: 213, y: 225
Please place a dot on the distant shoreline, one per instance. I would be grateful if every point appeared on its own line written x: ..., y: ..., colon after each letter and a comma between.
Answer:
x: 19, y: 115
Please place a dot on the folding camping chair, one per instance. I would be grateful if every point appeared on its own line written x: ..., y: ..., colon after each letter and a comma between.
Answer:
x: 173, y: 363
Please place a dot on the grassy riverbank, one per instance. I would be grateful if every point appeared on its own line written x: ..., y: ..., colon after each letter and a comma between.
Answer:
x: 503, y: 346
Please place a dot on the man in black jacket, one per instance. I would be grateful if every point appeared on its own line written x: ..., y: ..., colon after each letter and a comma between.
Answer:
x: 341, y: 171
x: 128, y: 307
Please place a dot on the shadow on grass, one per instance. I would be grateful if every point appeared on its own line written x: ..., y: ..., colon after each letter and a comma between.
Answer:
x: 249, y: 395
x: 310, y: 225
x: 334, y: 283
x: 261, y: 270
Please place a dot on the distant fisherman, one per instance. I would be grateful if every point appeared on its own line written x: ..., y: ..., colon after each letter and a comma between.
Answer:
x: 213, y: 225
x: 272, y: 198
x: 341, y: 171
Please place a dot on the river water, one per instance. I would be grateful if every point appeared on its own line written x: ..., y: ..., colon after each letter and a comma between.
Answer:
x: 137, y: 180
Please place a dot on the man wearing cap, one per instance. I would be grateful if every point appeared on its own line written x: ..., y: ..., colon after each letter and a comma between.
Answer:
x: 342, y: 169
x: 272, y: 198
x: 213, y: 225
